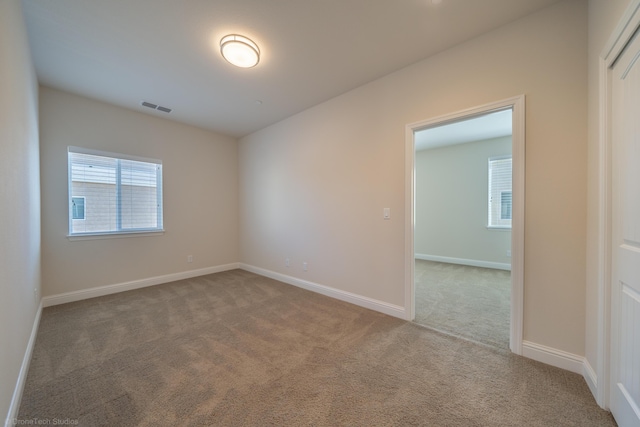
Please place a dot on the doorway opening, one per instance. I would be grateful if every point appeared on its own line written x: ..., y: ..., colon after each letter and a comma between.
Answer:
x: 465, y: 244
x: 462, y: 233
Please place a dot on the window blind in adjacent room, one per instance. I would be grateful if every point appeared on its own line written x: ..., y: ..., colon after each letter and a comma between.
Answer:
x: 500, y: 192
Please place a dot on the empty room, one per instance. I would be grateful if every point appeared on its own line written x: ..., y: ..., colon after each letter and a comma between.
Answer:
x: 463, y: 221
x: 214, y: 212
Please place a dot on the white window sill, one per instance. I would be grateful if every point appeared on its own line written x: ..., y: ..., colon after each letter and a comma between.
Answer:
x: 114, y: 235
x: 499, y: 227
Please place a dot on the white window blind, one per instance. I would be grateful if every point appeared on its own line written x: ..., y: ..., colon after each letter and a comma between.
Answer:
x: 121, y: 194
x: 500, y: 193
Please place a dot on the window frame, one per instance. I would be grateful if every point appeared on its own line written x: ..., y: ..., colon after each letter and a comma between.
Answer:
x: 119, y: 232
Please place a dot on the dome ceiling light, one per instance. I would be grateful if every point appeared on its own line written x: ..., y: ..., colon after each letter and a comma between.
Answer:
x: 239, y: 51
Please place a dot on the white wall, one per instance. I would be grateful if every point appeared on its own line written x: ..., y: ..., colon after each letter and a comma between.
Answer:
x: 604, y: 15
x: 200, y: 193
x: 451, y: 186
x: 19, y: 198
x: 313, y: 187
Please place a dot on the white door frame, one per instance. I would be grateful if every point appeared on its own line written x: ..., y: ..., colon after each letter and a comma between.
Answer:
x: 517, y: 104
x: 627, y: 26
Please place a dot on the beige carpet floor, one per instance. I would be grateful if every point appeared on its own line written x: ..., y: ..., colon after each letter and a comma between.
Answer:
x: 237, y: 349
x: 469, y: 302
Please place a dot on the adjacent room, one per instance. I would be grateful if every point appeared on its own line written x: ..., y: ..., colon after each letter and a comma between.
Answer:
x: 208, y: 216
x: 463, y: 212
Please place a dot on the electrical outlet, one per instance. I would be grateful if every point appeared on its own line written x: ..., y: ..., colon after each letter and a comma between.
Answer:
x: 189, y: 258
x: 36, y: 295
x: 304, y: 266
x: 286, y: 262
x: 509, y: 253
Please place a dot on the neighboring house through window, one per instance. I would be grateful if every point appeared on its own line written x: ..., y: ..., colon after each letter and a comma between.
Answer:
x: 113, y: 193
x: 77, y: 206
x: 500, y: 194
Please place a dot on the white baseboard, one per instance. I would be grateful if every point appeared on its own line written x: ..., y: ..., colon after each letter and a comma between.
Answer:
x: 562, y: 359
x: 554, y: 357
x: 590, y: 377
x: 372, y: 304
x: 24, y: 370
x: 462, y: 261
x: 135, y: 284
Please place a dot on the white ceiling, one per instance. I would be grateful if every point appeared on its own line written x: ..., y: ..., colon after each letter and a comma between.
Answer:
x: 166, y: 51
x: 492, y: 125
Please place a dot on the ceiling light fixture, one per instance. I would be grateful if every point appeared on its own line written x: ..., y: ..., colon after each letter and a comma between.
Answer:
x: 240, y: 51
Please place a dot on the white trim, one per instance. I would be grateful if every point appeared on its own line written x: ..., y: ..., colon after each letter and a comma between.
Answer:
x: 113, y: 235
x: 24, y: 370
x: 518, y: 208
x: 498, y: 227
x: 590, y: 376
x: 623, y: 32
x: 134, y: 284
x: 462, y: 261
x: 409, y: 222
x: 518, y: 224
x: 359, y: 300
x: 554, y: 357
x: 604, y: 247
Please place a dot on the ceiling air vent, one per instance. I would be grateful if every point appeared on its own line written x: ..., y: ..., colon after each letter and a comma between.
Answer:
x: 155, y: 107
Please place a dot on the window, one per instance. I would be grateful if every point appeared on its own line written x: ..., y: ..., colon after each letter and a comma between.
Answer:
x: 500, y: 194
x: 77, y: 206
x: 113, y: 193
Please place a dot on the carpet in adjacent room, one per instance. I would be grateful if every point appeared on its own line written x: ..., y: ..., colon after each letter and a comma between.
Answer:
x: 469, y: 302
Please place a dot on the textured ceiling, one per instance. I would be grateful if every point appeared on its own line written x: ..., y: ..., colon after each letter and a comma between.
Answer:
x: 166, y: 51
